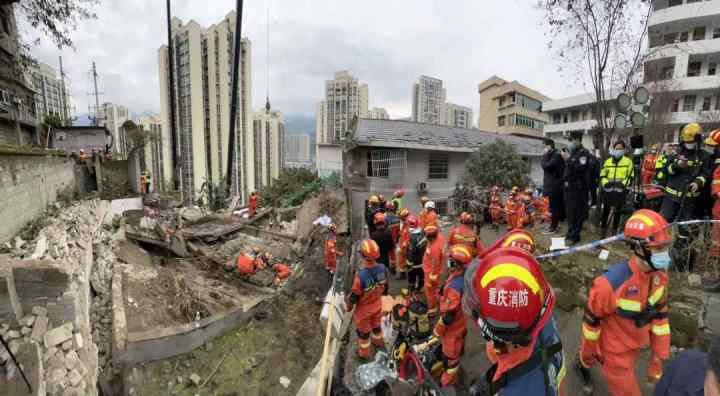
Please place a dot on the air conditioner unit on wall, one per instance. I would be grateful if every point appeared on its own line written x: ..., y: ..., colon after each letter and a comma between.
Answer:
x: 422, y: 187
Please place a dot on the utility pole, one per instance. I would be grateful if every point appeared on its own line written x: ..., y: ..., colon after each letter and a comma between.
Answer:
x: 171, y: 89
x: 65, y: 115
x: 97, y: 97
x: 234, y: 96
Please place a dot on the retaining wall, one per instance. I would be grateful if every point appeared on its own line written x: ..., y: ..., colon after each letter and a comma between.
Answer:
x: 28, y: 184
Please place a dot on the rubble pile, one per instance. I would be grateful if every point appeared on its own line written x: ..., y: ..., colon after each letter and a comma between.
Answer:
x: 101, y: 308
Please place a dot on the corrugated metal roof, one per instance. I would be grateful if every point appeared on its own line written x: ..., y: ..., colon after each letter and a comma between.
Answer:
x: 394, y: 133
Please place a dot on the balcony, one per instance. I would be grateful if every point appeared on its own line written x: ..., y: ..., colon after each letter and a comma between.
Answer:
x: 684, y: 117
x: 700, y: 47
x: 701, y: 9
x: 700, y: 83
x: 570, y: 126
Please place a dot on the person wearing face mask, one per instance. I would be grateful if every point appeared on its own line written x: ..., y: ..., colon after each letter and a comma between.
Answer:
x: 553, y: 167
x: 507, y: 295
x: 577, y: 181
x: 688, y: 171
x: 616, y: 176
x: 627, y: 310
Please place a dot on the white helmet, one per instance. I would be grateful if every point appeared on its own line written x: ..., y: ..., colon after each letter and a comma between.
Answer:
x: 430, y: 205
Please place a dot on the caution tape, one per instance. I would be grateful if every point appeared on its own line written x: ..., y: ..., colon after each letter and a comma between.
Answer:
x: 619, y: 237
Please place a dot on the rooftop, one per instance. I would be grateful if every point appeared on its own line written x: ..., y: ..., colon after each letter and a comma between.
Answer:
x: 574, y: 101
x: 420, y: 136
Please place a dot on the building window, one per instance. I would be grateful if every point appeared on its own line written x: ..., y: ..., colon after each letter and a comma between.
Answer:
x: 694, y: 69
x: 386, y: 163
x: 684, y: 36
x: 501, y: 121
x: 699, y: 33
x: 438, y: 166
x: 717, y: 102
x: 441, y: 207
x: 706, y: 103
x: 689, y: 103
x: 675, y: 105
x: 673, y: 3
x: 712, y: 68
x: 501, y: 101
x: 669, y: 38
x: 556, y: 118
x: 716, y: 33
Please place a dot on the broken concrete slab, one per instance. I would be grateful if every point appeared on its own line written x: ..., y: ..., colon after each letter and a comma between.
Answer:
x: 25, y: 331
x: 39, y: 311
x: 41, y: 247
x: 39, y: 329
x: 78, y: 342
x: 58, y: 335
x: 27, y: 321
x: 119, y: 206
x: 175, y: 244
x: 195, y: 379
x: 131, y: 253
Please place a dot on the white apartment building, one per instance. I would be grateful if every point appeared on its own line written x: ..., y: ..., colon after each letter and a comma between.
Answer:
x: 203, y: 63
x: 297, y: 148
x: 346, y: 99
x: 684, y: 53
x: 49, y: 96
x: 574, y: 114
x: 458, y: 116
x: 378, y: 113
x: 112, y: 116
x: 153, y: 154
x: 269, y: 150
x: 428, y: 101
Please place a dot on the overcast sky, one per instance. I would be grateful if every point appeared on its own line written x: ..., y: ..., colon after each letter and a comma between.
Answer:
x: 387, y: 44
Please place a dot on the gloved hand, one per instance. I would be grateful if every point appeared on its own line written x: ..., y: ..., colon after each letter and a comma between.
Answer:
x: 590, y: 353
x: 693, y: 187
x: 654, y: 371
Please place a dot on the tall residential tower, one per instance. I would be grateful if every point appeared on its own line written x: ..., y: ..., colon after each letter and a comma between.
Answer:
x: 428, y: 101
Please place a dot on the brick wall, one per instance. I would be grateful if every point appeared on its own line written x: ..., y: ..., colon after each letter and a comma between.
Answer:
x: 28, y: 184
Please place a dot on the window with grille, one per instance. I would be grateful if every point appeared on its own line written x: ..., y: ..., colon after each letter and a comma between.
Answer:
x: 438, y: 166
x: 441, y: 207
x: 386, y: 163
x: 689, y: 103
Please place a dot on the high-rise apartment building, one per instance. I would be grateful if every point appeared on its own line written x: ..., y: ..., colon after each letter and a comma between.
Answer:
x: 297, y: 148
x: 321, y: 125
x: 458, y: 116
x: 510, y: 107
x: 378, y: 113
x: 153, y: 154
x: 269, y: 149
x: 428, y: 101
x: 203, y: 78
x: 345, y: 100
x: 113, y: 116
x: 51, y: 97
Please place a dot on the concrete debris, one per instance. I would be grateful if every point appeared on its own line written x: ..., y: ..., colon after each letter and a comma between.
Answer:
x: 41, y: 247
x: 284, y: 381
x: 195, y: 379
x: 27, y: 321
x: 25, y: 331
x: 58, y: 335
x: 39, y: 329
x: 74, y: 378
x: 694, y: 280
x: 13, y: 334
x: 78, y: 342
x: 19, y: 243
x: 39, y: 311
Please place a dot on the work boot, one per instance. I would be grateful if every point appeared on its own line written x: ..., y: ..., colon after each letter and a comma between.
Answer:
x: 585, y: 377
x: 377, y: 339
x: 363, y: 349
x: 449, y: 376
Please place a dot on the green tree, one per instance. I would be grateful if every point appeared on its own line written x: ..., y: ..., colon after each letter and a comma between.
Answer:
x: 496, y: 164
x: 293, y: 185
x: 57, y: 18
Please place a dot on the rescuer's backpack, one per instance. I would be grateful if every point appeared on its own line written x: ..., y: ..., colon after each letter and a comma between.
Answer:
x: 416, y: 248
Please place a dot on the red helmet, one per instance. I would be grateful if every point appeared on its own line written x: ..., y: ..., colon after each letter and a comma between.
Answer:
x: 412, y: 221
x: 424, y: 199
x: 369, y: 249
x: 374, y: 199
x: 379, y: 218
x: 648, y: 228
x: 404, y: 213
x: 461, y: 254
x: 389, y: 206
x: 713, y: 138
x: 399, y: 194
x: 519, y: 238
x: 431, y: 230
x: 466, y: 218
x: 509, y: 297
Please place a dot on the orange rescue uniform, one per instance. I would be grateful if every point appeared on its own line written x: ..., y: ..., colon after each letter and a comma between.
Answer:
x: 253, y: 204
x: 626, y: 312
x: 433, y: 267
x: 421, y: 218
x: 715, y: 192
x: 331, y: 253
x: 515, y: 213
x: 246, y: 265
x: 464, y: 235
x: 496, y: 209
x: 431, y: 218
x: 404, y: 243
x: 366, y: 295
x: 452, y: 326
x: 647, y: 173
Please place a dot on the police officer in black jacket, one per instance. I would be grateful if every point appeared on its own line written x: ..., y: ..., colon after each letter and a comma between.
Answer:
x: 577, y: 182
x: 553, y: 167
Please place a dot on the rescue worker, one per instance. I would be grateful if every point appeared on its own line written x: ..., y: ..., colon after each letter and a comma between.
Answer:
x: 372, y: 208
x: 331, y: 252
x: 647, y: 174
x: 421, y: 214
x: 514, y: 209
x: 615, y: 178
x: 627, y: 309
x: 83, y: 156
x: 393, y: 224
x: 148, y: 182
x: 431, y: 216
x: 577, y: 182
x: 705, y: 202
x: 508, y: 297
x: 553, y: 168
x: 383, y: 237
x: 252, y: 204
x: 660, y: 171
x: 465, y: 235
x: 433, y: 267
x: 451, y: 328
x: 246, y: 265
x: 687, y: 173
x: 143, y: 183
x: 517, y: 238
x: 714, y: 141
x: 369, y: 285
x: 496, y: 208
x: 397, y: 200
x: 403, y: 242
x: 282, y: 272
x: 414, y: 254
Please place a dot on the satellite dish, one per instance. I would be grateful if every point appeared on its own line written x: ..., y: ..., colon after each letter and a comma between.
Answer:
x: 637, y: 119
x: 620, y: 121
x: 642, y: 95
x: 623, y: 102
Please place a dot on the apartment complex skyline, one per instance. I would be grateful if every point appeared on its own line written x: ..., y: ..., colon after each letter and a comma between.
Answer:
x: 269, y: 149
x: 346, y: 99
x: 428, y: 101
x: 52, y: 97
x: 458, y: 116
x: 112, y: 116
x: 297, y: 148
x: 203, y: 64
x: 378, y: 113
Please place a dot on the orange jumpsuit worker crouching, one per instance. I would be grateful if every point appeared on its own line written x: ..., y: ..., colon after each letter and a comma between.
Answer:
x: 282, y: 272
x: 452, y: 326
x: 246, y: 265
x: 369, y: 285
x: 433, y: 267
x: 627, y: 309
x: 331, y: 251
x: 464, y: 235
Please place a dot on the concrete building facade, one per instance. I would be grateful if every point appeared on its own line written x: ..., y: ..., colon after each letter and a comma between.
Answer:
x: 269, y: 134
x: 346, y: 99
x: 203, y: 66
x: 153, y: 155
x: 510, y: 107
x: 51, y: 97
x: 297, y: 148
x: 428, y: 101
x: 378, y: 113
x: 574, y: 114
x: 458, y: 116
x: 321, y: 125
x: 112, y: 116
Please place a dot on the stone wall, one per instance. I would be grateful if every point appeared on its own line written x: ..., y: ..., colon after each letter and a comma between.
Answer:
x: 28, y: 184
x: 114, y: 179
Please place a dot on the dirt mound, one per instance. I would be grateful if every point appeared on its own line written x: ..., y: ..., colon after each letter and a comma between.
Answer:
x: 330, y: 202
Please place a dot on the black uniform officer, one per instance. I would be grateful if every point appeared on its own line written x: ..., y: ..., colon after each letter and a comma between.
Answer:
x: 688, y: 171
x: 576, y: 181
x: 553, y: 168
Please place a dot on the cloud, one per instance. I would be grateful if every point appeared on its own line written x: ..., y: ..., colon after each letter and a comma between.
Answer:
x: 387, y: 44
